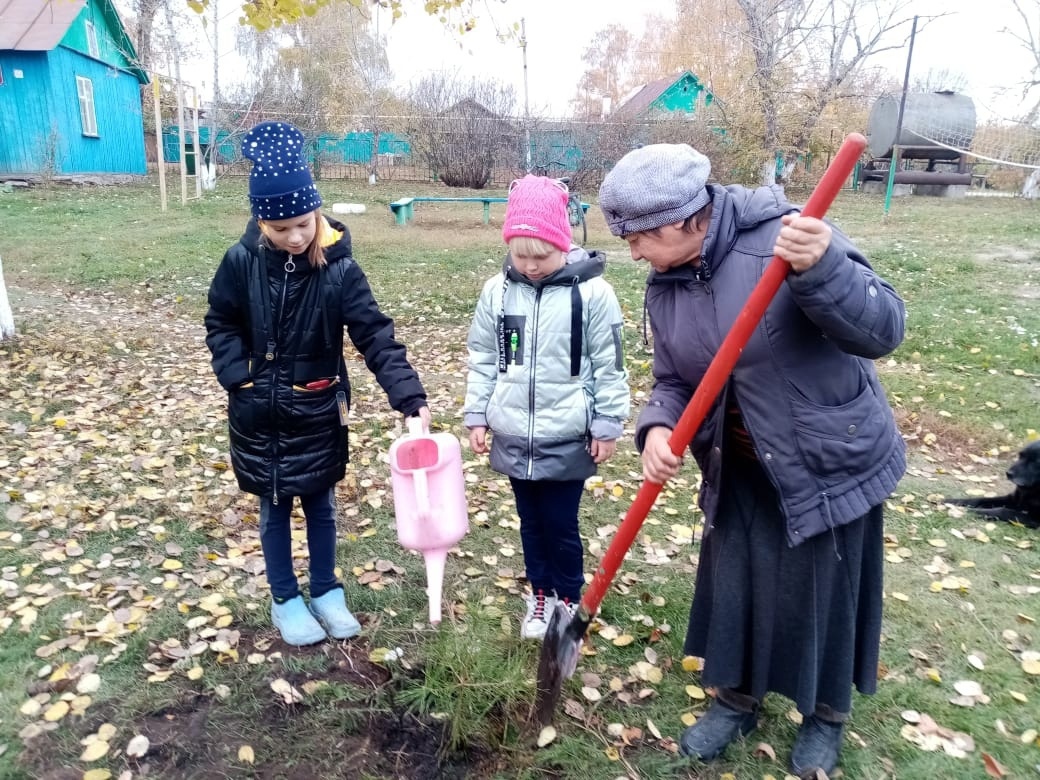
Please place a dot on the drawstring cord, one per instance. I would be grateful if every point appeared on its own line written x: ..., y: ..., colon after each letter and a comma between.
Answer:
x: 829, y: 519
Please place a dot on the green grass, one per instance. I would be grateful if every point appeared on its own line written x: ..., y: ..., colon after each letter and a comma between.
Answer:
x: 112, y: 461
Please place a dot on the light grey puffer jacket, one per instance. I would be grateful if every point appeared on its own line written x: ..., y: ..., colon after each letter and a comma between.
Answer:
x: 546, y: 369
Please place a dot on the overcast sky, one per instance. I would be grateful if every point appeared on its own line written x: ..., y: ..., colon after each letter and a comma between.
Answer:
x: 967, y: 40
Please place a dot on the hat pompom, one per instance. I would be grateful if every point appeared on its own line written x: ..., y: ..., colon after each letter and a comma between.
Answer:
x: 280, y: 183
x: 537, y: 208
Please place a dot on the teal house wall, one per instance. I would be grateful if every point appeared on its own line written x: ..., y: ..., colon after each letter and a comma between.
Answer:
x: 41, y: 125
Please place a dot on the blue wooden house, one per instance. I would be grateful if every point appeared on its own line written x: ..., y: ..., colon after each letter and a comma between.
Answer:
x: 70, y: 90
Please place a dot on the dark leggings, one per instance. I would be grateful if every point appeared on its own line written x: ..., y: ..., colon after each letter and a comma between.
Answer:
x: 553, y: 553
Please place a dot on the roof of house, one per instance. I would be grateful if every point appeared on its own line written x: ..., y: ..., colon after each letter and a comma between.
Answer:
x: 40, y: 25
x: 29, y: 25
x: 636, y: 102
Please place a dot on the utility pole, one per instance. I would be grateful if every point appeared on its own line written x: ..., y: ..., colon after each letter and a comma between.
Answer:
x: 527, y: 112
x: 896, y: 151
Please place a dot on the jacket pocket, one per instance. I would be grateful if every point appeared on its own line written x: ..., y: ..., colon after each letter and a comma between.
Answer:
x: 841, y: 441
x: 242, y: 410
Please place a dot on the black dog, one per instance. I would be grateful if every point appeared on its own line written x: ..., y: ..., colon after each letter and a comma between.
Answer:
x: 1021, y: 506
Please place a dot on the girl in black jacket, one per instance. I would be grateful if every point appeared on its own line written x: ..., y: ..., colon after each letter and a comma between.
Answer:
x: 277, y: 308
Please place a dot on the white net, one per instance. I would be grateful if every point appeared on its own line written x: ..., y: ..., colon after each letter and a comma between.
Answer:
x: 1003, y: 142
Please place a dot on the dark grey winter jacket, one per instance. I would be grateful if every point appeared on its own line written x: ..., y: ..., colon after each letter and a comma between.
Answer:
x: 805, y: 383
x: 273, y: 328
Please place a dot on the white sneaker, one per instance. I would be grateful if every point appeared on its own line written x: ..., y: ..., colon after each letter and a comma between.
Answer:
x: 539, y: 610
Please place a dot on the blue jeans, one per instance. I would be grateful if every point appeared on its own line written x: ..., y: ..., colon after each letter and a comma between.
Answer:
x: 553, y: 553
x: 319, y: 509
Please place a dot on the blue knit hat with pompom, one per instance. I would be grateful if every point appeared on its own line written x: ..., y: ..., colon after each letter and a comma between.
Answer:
x: 280, y: 184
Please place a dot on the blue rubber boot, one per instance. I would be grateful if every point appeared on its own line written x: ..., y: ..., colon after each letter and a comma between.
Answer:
x: 295, y: 623
x: 331, y: 609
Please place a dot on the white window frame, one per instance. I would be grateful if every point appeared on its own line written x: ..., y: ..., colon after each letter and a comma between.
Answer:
x: 87, y: 117
x: 92, y: 44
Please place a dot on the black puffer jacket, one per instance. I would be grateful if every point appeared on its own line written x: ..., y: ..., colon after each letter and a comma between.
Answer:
x: 275, y: 326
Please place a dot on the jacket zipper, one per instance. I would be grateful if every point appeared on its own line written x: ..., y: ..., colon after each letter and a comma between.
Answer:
x: 531, y: 384
x: 290, y: 266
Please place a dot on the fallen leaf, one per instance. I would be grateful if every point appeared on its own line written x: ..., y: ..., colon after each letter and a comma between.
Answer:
x: 95, y: 750
x: 591, y: 693
x: 288, y: 693
x: 993, y: 767
x: 138, y: 746
x: 765, y: 749
x: 245, y: 754
x: 546, y: 736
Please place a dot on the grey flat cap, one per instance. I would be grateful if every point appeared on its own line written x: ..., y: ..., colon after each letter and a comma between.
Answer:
x: 653, y: 186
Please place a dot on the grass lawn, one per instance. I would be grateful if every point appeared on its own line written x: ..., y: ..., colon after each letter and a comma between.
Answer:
x: 136, y: 640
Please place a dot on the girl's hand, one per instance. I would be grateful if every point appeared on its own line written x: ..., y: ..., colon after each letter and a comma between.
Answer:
x: 602, y: 449
x: 478, y: 439
x: 802, y: 241
x: 660, y: 464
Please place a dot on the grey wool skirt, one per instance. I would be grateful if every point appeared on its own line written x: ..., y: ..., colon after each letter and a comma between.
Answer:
x: 805, y: 621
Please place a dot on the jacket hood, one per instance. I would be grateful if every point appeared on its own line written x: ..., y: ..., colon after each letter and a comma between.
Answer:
x: 339, y: 249
x: 579, y: 265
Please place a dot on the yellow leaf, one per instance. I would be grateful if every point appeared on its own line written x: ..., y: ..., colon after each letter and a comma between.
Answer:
x: 692, y: 663
x: 624, y: 640
x: 245, y: 754
x: 195, y: 673
x: 612, y: 753
x: 94, y: 751
x: 97, y: 774
x: 1032, y: 666
x: 172, y: 564
x: 933, y: 675
x: 107, y: 731
x: 688, y: 718
x: 1019, y: 697
x: 695, y: 692
x: 56, y: 711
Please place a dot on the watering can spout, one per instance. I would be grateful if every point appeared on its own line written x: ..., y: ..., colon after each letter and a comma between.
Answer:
x: 435, y: 560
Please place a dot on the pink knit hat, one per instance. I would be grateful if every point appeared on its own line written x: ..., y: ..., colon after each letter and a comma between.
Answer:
x: 537, y: 208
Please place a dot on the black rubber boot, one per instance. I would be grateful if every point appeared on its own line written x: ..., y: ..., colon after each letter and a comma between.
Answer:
x: 719, y: 726
x: 816, y: 747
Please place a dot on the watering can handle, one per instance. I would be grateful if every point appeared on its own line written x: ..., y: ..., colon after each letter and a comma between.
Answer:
x: 415, y: 426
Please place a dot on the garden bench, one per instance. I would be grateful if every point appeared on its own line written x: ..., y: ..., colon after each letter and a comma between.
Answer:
x: 403, y: 212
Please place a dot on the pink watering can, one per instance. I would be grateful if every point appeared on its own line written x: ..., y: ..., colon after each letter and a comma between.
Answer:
x: 429, y: 500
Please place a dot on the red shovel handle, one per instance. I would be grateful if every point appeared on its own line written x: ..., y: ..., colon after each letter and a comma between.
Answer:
x: 718, y: 372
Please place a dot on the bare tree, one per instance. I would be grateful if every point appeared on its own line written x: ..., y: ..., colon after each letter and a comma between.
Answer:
x: 1029, y: 37
x: 463, y: 129
x: 807, y: 55
x: 608, y: 58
